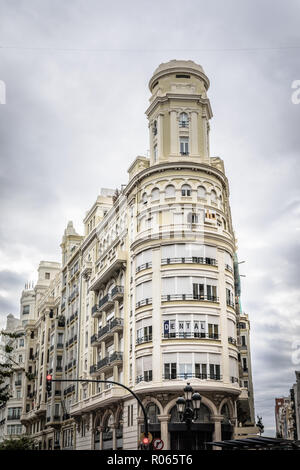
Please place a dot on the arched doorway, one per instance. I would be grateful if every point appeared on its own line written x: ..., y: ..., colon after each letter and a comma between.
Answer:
x: 227, y: 428
x: 153, y: 413
x: 195, y: 438
x: 107, y: 434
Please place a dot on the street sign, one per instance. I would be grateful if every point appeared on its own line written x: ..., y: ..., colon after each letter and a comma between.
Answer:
x: 158, y: 444
x: 150, y: 437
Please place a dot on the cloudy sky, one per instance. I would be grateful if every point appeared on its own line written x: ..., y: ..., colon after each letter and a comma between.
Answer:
x: 76, y: 75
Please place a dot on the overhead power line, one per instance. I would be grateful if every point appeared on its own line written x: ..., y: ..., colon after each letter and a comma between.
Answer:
x: 79, y: 49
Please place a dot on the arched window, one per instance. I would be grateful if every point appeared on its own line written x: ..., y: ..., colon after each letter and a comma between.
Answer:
x: 183, y: 120
x: 155, y: 194
x: 213, y: 196
x: 201, y: 192
x: 152, y: 413
x: 226, y: 413
x: 170, y: 191
x: 145, y: 198
x: 185, y: 190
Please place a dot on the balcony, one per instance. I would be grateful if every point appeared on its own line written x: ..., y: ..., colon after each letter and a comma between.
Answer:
x: 69, y: 390
x: 191, y: 260
x: 143, y: 339
x: 143, y: 266
x: 188, y: 375
x: 229, y: 303
x: 229, y: 268
x: 144, y: 302
x: 191, y: 335
x: 115, y: 358
x: 14, y: 417
x: 114, y: 325
x: 73, y: 294
x: 108, y: 269
x: 60, y: 346
x: 232, y: 340
x: 198, y: 297
x: 105, y: 302
x: 146, y: 377
x: 117, y: 293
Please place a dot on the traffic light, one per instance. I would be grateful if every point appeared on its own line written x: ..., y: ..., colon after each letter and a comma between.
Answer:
x: 145, y: 443
x: 48, y: 382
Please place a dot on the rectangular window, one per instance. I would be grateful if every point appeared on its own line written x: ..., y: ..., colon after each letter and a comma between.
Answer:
x: 213, y: 331
x: 184, y: 145
x: 26, y: 309
x: 171, y: 370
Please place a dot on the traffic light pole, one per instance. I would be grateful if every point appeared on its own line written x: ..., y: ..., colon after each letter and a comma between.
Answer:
x: 109, y: 382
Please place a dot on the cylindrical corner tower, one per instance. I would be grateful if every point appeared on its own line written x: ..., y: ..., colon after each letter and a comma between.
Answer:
x: 183, y: 245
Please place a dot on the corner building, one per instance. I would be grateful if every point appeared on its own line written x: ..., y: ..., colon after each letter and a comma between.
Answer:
x: 162, y: 281
x: 147, y: 295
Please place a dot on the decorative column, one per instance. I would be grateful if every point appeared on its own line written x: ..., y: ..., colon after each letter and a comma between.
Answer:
x: 217, y: 435
x: 173, y: 133
x: 101, y: 429
x: 160, y: 150
x: 164, y: 431
x: 117, y: 309
x: 114, y: 439
x: 140, y: 421
x: 194, y: 133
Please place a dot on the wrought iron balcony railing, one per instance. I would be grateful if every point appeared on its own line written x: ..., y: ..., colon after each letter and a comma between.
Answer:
x: 191, y: 335
x: 191, y: 260
x: 200, y: 297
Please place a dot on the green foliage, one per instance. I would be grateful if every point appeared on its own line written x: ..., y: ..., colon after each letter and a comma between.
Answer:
x: 19, y: 443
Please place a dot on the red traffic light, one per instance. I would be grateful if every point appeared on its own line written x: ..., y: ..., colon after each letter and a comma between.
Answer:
x: 146, y: 440
x: 49, y: 377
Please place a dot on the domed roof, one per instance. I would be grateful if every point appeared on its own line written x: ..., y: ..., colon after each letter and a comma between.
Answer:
x: 178, y: 66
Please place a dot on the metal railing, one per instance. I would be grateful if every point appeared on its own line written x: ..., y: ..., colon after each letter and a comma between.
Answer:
x: 110, y: 326
x: 229, y: 303
x: 146, y: 377
x: 117, y: 290
x: 192, y: 259
x: 188, y: 375
x: 144, y: 339
x: 232, y: 340
x: 207, y: 298
x: 143, y: 266
x: 104, y: 300
x: 190, y: 335
x: 107, y: 361
x: 143, y: 302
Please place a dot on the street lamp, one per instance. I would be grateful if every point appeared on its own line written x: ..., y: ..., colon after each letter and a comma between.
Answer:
x: 189, y: 406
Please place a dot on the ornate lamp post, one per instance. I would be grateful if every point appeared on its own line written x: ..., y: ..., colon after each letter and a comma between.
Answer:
x: 189, y: 406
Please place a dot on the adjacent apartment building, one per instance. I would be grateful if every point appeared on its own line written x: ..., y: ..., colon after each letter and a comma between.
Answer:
x: 149, y: 297
x: 287, y: 413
